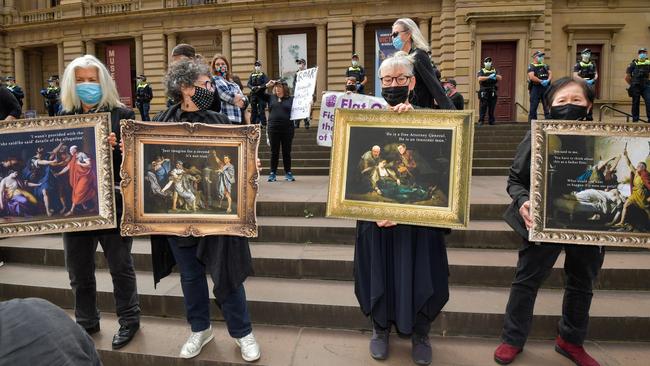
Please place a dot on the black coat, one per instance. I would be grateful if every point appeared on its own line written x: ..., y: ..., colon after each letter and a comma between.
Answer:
x: 9, y: 105
x: 519, y: 186
x: 427, y: 86
x: 228, y: 258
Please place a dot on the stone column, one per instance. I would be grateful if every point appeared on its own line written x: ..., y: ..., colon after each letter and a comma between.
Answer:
x: 19, y: 66
x: 261, y: 48
x: 90, y: 47
x: 424, y: 28
x: 225, y: 43
x: 139, y: 60
x: 60, y: 59
x: 321, y: 59
x: 359, y: 44
x: 171, y: 43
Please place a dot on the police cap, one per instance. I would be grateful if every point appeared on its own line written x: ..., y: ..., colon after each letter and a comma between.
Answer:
x: 9, y: 77
x: 487, y: 59
x: 586, y: 50
x: 451, y: 81
x: 301, y: 61
x: 258, y: 63
x: 354, y: 55
x: 643, y: 50
x: 142, y: 77
x: 538, y: 53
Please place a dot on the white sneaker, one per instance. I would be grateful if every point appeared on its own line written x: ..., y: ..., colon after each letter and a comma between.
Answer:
x: 195, y: 343
x: 250, y: 350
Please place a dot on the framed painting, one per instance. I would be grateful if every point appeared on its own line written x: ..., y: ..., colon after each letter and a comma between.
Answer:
x: 189, y: 179
x: 410, y: 168
x: 56, y: 175
x: 590, y: 183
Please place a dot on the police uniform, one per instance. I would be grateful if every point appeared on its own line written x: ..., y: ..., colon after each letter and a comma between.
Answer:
x: 587, y: 71
x: 487, y: 95
x: 51, y: 94
x: 257, y: 84
x: 639, y: 72
x: 537, y: 90
x: 17, y: 91
x: 143, y: 96
x: 359, y: 73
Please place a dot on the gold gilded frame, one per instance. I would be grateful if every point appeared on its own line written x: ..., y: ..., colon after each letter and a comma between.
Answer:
x: 455, y: 215
x: 538, y: 193
x: 106, y: 219
x: 135, y: 134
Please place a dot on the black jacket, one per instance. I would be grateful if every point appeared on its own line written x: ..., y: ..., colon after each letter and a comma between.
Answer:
x: 519, y: 186
x: 427, y: 85
x: 228, y: 258
x: 279, y: 112
x: 9, y: 105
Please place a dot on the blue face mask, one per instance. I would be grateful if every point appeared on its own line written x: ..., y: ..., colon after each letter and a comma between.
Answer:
x: 89, y: 93
x: 540, y: 60
x: 398, y: 43
x: 643, y: 56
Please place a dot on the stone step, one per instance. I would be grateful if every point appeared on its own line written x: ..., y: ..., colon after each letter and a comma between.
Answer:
x: 496, y: 146
x: 469, y: 267
x: 502, y: 171
x: 491, y: 162
x: 297, y: 148
x: 325, y: 170
x: 326, y: 154
x: 498, y: 138
x: 471, y: 311
x: 325, y: 163
x: 160, y: 339
x: 491, y: 153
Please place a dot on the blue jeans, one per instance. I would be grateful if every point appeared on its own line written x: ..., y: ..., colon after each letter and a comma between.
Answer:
x: 536, y: 96
x: 196, y: 296
x: 636, y: 101
x: 535, y: 263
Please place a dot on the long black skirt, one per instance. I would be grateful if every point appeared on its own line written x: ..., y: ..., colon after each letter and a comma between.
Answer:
x: 400, y: 272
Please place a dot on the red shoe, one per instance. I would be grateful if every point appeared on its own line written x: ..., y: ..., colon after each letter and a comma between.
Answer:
x: 575, y: 353
x: 505, y: 353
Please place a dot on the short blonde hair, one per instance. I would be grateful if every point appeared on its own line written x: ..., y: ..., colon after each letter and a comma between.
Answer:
x: 399, y: 59
x: 70, y: 100
x: 416, y: 36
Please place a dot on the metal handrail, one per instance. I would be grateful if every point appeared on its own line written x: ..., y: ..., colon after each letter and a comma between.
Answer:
x: 522, y: 107
x: 607, y: 106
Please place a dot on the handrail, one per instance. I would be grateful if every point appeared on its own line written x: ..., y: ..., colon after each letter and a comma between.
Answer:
x: 607, y: 106
x: 522, y: 107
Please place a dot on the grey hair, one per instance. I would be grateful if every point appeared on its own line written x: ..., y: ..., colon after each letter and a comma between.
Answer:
x: 399, y: 59
x: 69, y: 99
x: 184, y: 73
x: 416, y: 36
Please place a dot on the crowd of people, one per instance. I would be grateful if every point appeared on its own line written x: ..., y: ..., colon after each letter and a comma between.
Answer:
x: 401, y: 272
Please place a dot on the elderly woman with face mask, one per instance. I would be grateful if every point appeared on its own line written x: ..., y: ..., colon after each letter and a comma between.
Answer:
x: 570, y: 99
x: 227, y: 258
x: 87, y: 87
x: 400, y: 271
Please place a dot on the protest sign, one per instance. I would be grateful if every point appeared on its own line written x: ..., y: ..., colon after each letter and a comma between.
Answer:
x: 333, y: 100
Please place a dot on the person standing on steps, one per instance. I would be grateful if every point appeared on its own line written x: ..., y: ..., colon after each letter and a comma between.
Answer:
x: 302, y: 65
x: 539, y: 77
x: 143, y: 96
x: 570, y: 99
x: 637, y: 76
x: 586, y: 70
x: 488, y: 78
x: 15, y: 89
x: 257, y: 85
x: 280, y: 128
x: 358, y: 72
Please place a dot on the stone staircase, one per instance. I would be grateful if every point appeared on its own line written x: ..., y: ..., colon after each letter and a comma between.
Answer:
x: 302, y: 299
x: 494, y: 148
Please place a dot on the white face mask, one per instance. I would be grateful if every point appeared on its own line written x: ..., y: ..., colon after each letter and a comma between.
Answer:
x: 585, y: 58
x: 355, y: 63
x: 488, y: 65
x: 257, y: 68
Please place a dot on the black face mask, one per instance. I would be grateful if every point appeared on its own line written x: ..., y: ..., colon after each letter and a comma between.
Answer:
x: 395, y: 95
x: 350, y: 87
x: 569, y: 112
x: 203, y: 98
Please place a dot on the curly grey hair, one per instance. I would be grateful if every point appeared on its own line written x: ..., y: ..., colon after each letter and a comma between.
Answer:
x: 183, y: 73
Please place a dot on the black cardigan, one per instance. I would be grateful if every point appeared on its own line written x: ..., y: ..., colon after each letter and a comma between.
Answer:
x: 427, y: 86
x: 519, y: 186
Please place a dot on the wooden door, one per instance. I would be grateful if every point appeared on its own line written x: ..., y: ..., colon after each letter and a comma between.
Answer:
x: 504, y: 58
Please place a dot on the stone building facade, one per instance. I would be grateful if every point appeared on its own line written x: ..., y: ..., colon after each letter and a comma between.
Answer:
x: 39, y: 37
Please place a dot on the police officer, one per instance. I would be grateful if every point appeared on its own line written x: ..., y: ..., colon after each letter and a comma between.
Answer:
x: 15, y: 89
x: 586, y: 70
x: 637, y: 78
x: 487, y: 94
x: 51, y: 95
x: 539, y: 77
x: 358, y: 72
x: 143, y: 96
x: 257, y: 84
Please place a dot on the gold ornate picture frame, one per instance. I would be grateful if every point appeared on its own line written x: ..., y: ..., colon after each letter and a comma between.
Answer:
x: 189, y: 179
x: 410, y: 168
x: 56, y: 175
x: 589, y: 183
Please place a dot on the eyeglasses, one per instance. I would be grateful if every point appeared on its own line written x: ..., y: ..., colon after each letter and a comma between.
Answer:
x: 401, y: 80
x: 396, y: 33
x: 206, y: 85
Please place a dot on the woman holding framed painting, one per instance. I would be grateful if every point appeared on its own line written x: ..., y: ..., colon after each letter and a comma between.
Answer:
x: 401, y: 271
x: 227, y: 258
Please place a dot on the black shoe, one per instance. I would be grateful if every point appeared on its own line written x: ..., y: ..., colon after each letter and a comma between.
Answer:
x: 379, y: 345
x: 124, y: 335
x: 421, y: 352
x: 92, y: 330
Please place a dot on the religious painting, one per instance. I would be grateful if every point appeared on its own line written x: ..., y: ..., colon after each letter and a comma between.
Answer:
x: 189, y: 179
x: 56, y: 175
x: 590, y: 183
x: 411, y: 168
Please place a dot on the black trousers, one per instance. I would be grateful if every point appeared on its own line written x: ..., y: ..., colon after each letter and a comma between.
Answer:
x: 636, y: 103
x: 284, y: 139
x: 80, y: 250
x: 487, y: 104
x: 537, y: 96
x: 581, y: 268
